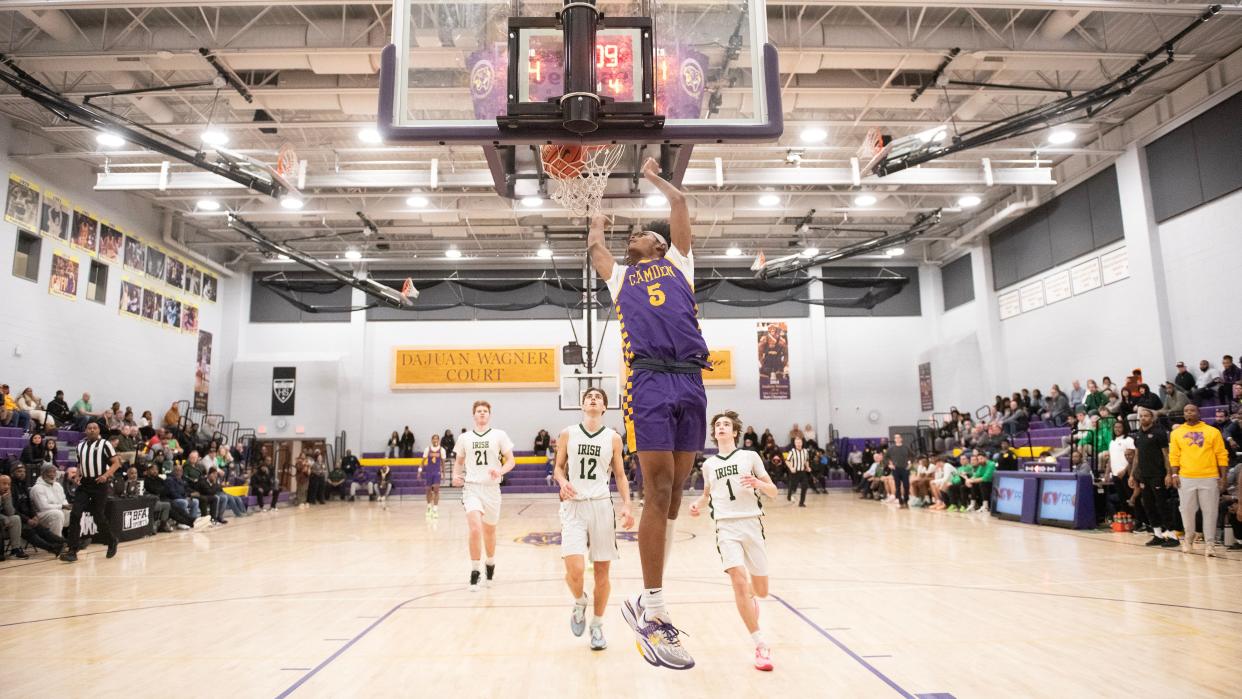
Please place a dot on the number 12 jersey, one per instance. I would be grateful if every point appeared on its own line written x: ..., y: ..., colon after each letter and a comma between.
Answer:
x: 589, y: 462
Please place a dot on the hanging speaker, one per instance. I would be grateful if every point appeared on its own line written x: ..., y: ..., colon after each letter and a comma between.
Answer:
x: 571, y: 355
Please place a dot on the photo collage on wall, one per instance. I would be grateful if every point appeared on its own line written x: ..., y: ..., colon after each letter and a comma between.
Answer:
x: 160, y: 287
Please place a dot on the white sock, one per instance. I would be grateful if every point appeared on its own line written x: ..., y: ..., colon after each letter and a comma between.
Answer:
x: 1158, y: 531
x: 757, y: 637
x: 596, y: 621
x: 491, y: 560
x: 670, y: 530
x: 582, y: 601
x: 475, y: 565
x: 653, y: 600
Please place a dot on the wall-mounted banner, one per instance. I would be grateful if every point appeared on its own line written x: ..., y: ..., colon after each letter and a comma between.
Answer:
x: 202, y: 372
x: 773, y: 360
x: 22, y: 207
x: 722, y: 368
x: 497, y: 367
x: 926, y: 401
x: 284, y: 389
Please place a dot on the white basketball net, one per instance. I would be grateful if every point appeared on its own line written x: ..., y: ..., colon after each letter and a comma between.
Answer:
x: 581, y: 195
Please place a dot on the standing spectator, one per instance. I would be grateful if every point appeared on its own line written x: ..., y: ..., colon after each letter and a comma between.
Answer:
x: 543, y: 441
x: 808, y: 435
x: 10, y: 522
x: 1206, y: 383
x: 30, y: 404
x: 301, y: 479
x: 51, y: 508
x: 407, y: 443
x: 317, y: 489
x: 394, y: 446
x: 899, y: 461
x: 262, y: 485
x: 448, y: 443
x: 799, y: 469
x: 1198, y: 459
x: 98, y: 462
x: 1151, y: 476
x: 383, y: 484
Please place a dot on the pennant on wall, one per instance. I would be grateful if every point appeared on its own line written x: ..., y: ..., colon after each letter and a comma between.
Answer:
x: 284, y: 389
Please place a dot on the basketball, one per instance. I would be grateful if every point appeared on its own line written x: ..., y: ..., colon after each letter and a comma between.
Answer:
x: 563, y: 161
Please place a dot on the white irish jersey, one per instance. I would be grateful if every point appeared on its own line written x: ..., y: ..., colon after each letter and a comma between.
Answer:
x: 483, y: 453
x: 589, y: 462
x: 729, y: 498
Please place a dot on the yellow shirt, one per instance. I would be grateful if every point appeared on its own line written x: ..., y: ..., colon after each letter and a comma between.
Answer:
x: 1199, y: 451
x: 9, y: 404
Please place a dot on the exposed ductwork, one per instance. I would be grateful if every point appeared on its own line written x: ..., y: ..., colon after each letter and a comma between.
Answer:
x: 54, y: 23
x: 1060, y: 23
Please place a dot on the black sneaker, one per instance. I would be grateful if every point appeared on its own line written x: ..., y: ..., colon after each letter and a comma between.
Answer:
x: 474, y: 580
x: 1170, y: 543
x: 1155, y: 541
x: 18, y: 553
x: 112, y: 549
x: 69, y: 557
x: 491, y: 571
x: 1235, y: 546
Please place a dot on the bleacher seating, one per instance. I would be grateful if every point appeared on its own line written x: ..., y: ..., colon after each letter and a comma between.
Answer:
x: 13, y: 440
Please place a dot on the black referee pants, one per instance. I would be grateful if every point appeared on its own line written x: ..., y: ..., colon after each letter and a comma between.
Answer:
x: 90, y: 497
x: 799, y: 479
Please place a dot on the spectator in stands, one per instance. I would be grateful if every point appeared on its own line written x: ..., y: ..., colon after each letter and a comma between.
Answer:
x: 1150, y: 476
x: 1016, y: 420
x: 1114, y: 402
x: 33, y: 531
x: 1198, y: 460
x: 10, y: 414
x: 360, y: 481
x: 1175, y: 400
x: 959, y: 492
x: 1127, y: 404
x: 753, y: 436
x: 795, y: 431
x: 10, y: 522
x: 128, y: 419
x: 1133, y: 380
x: 130, y: 486
x: 1006, y: 459
x: 1077, y: 395
x: 872, y: 477
x: 980, y: 483
x: 34, y: 454
x: 318, y: 487
x: 1235, y: 400
x: 448, y: 443
x: 262, y: 485
x: 920, y: 482
x: 543, y: 441
x: 180, y: 494
x: 778, y: 469
x: 32, y: 405
x: 336, y: 484
x: 349, y: 464
x: 127, y: 444
x: 383, y: 484
x: 48, y: 497
x: 301, y: 480
x: 1206, y: 383
x: 113, y: 418
x: 146, y: 428
x: 165, y: 510
x: 1028, y: 402
x: 1232, y: 434
x: 195, y: 469
x: 749, y: 444
x: 59, y: 409
x: 394, y: 445
x: 1106, y: 385
x: 1037, y: 401
x: 1094, y: 399
x: 83, y: 412
x: 942, y: 478
x: 1147, y: 399
x: 1184, y: 379
x: 172, y: 418
x: 1230, y: 376
x: 224, y: 460
x: 407, y: 443
x: 1058, y: 408
x: 209, y: 486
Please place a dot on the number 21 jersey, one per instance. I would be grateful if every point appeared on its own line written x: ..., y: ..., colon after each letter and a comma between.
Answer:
x: 483, y: 453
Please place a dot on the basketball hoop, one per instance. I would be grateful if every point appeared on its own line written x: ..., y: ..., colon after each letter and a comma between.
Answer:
x: 408, y: 288
x: 581, y: 174
x: 286, y: 161
x: 873, y: 149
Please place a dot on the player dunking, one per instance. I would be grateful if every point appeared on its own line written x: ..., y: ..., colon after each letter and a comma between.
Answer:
x: 485, y: 455
x: 587, y: 454
x: 732, y: 481
x: 664, y: 406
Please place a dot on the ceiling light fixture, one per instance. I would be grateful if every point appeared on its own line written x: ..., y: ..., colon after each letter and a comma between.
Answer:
x: 544, y: 252
x: 207, y: 205
x: 291, y: 202
x: 452, y: 253
x: 214, y: 137
x: 968, y: 201
x: 656, y: 200
x: 895, y: 252
x: 416, y: 201
x: 810, y: 252
x: 532, y: 202
x: 353, y: 254
x: 1060, y: 137
x: 770, y: 200
x: 107, y: 139
x: 814, y: 134
x: 864, y: 200
x: 734, y: 251
x: 369, y: 134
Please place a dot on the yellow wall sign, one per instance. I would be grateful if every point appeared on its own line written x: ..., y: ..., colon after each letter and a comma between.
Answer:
x: 722, y: 368
x: 498, y: 367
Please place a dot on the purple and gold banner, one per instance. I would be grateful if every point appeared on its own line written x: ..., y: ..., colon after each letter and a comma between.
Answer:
x: 773, y: 361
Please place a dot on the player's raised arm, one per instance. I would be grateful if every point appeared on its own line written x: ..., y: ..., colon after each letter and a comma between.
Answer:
x: 679, y: 209
x: 597, y: 249
x: 562, y: 459
x: 623, y: 484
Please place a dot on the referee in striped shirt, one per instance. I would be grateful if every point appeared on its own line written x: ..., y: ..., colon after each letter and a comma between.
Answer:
x: 97, y: 461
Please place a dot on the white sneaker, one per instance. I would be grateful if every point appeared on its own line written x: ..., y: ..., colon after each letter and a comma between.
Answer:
x: 1209, y: 551
x: 577, y: 620
x: 971, y: 508
x: 202, y: 522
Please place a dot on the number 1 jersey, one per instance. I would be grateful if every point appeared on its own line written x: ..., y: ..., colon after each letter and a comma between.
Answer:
x: 723, y: 474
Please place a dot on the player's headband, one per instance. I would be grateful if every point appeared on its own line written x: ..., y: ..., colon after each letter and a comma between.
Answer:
x: 658, y: 237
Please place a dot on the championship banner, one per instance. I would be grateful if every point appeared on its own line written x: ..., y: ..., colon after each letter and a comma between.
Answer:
x: 773, y: 360
x: 284, y: 388
x: 202, y: 371
x: 721, y: 373
x: 498, y: 367
x: 925, y: 387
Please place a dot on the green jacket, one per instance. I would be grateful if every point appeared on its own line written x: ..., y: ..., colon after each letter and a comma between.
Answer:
x: 1095, y: 400
x: 963, y: 471
x: 1100, y: 436
x: 985, y: 471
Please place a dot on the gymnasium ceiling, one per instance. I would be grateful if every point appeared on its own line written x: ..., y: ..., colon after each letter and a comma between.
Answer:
x: 855, y: 66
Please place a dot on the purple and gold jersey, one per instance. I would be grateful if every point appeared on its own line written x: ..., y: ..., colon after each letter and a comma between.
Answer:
x: 656, y: 309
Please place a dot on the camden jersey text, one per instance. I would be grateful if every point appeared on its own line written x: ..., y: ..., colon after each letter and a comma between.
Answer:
x: 656, y: 308
x: 723, y: 474
x: 483, y: 453
x: 589, y: 462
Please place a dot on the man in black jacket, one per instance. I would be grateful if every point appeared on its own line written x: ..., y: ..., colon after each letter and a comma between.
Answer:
x: 59, y: 409
x: 32, y: 531
x: 165, y: 509
x: 261, y: 485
